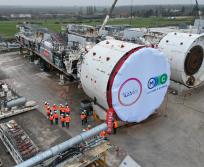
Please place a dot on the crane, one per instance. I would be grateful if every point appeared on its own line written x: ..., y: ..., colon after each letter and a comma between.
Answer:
x: 198, y: 9
x: 200, y: 17
x: 108, y: 16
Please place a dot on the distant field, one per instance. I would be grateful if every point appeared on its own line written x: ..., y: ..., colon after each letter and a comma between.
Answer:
x: 8, y: 28
x: 153, y: 21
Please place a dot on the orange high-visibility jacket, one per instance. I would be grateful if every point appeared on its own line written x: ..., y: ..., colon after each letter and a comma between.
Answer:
x: 103, y: 134
x: 51, y: 117
x: 56, y: 115
x: 61, y: 108
x: 115, y: 124
x: 54, y: 107
x: 67, y: 110
x: 62, y: 119
x: 48, y: 112
x: 67, y: 119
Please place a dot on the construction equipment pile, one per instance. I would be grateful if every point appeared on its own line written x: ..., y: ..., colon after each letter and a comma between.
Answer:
x: 13, y: 136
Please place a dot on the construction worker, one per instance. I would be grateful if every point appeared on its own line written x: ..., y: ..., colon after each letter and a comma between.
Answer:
x: 46, y: 105
x: 67, y: 110
x: 62, y: 119
x: 56, y: 117
x: 67, y: 120
x: 48, y: 110
x: 115, y: 126
x: 54, y: 107
x: 51, y: 119
x: 83, y: 117
x: 61, y: 109
x: 102, y: 134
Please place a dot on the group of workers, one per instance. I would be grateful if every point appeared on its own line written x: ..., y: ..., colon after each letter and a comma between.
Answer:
x: 62, y: 113
x: 56, y: 113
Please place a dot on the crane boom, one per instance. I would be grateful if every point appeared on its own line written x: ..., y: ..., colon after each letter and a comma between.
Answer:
x: 198, y: 9
x: 108, y: 15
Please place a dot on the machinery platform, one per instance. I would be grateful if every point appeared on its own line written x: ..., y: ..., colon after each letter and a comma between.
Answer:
x: 50, y: 63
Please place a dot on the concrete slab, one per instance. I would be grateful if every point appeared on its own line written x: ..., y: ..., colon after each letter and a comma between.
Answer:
x: 5, y: 157
x: 129, y: 162
x: 37, y: 85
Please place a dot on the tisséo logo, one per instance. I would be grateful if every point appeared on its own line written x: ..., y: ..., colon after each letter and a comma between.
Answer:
x: 129, y: 92
x: 156, y: 81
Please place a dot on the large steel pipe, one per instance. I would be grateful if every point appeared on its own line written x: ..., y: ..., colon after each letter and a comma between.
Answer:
x: 62, y: 147
x: 16, y: 102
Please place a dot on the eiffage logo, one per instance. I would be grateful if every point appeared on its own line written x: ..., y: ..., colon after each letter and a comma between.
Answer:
x: 129, y: 92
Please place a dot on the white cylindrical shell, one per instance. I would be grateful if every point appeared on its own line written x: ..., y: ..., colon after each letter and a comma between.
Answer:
x: 96, y: 69
x: 121, y: 76
x: 177, y: 46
